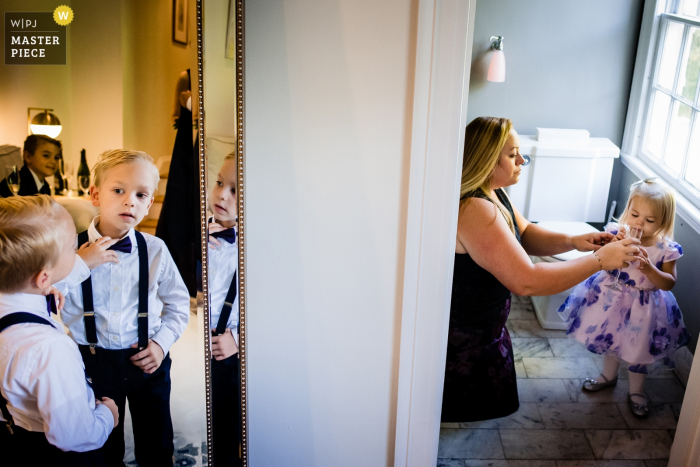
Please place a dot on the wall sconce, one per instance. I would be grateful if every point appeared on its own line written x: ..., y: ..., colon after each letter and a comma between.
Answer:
x: 43, y: 123
x: 497, y: 67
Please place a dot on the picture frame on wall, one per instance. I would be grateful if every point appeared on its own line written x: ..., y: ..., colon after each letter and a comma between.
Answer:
x: 180, y: 21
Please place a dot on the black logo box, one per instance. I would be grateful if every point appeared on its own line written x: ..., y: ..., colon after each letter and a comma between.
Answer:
x: 34, y: 38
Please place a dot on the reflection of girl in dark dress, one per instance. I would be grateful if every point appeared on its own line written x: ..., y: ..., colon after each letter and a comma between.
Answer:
x: 491, y: 260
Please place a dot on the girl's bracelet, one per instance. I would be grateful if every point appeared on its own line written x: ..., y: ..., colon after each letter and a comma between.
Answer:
x: 599, y: 261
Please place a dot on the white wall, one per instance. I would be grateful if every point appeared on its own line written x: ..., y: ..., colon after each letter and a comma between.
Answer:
x: 328, y: 115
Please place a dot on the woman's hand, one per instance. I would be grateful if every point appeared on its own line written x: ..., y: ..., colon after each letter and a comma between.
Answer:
x: 617, y: 255
x: 593, y: 241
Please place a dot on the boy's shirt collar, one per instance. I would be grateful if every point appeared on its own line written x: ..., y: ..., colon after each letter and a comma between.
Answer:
x: 37, y: 180
x: 94, y: 235
x: 26, y: 302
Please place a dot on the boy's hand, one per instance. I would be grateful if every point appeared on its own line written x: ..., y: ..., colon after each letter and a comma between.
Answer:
x: 96, y: 254
x: 58, y: 296
x: 150, y: 358
x: 213, y: 241
x: 112, y: 406
x: 223, y: 346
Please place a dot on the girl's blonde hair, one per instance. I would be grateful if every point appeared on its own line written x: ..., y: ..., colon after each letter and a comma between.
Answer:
x: 661, y: 200
x: 484, y: 140
x: 31, y: 239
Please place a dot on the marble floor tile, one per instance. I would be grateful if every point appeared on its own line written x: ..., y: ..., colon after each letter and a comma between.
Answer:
x: 581, y: 415
x: 677, y: 410
x: 661, y: 417
x: 672, y: 433
x: 656, y: 371
x: 521, y: 314
x: 520, y: 370
x: 531, y: 328
x: 509, y: 463
x: 450, y: 463
x: 526, y: 418
x: 449, y: 425
x: 543, y: 390
x: 545, y: 444
x: 617, y: 393
x: 531, y: 347
x: 630, y: 444
x: 567, y: 347
x: 656, y: 463
x: 684, y: 361
x: 619, y: 463
x: 559, y: 367
x: 469, y: 444
x: 664, y: 390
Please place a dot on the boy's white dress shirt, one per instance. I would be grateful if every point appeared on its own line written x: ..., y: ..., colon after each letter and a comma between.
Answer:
x: 43, y: 380
x: 223, y: 263
x: 115, y: 291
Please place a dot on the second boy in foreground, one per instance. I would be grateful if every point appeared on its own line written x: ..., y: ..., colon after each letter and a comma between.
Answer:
x: 128, y: 314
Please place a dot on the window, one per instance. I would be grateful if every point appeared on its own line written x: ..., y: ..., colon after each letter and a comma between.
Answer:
x: 671, y: 136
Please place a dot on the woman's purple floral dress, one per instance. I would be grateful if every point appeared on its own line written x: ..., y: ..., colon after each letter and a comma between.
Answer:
x: 639, y: 325
x: 480, y: 380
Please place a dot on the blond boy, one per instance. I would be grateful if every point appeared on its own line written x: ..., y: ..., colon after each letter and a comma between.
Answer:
x: 47, y: 403
x: 129, y: 313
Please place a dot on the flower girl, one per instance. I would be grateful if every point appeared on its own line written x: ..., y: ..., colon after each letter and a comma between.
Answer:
x: 638, y: 320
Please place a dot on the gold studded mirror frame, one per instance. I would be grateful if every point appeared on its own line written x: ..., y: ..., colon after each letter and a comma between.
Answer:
x: 240, y: 112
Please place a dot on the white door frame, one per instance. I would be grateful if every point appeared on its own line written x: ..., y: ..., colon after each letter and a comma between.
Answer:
x: 443, y: 62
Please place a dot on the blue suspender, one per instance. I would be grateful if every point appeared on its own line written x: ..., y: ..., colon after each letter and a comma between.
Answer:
x: 88, y: 305
x: 228, y: 304
x: 6, y: 322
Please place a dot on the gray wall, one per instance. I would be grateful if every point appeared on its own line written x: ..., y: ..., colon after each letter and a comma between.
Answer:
x: 569, y: 64
x: 686, y: 290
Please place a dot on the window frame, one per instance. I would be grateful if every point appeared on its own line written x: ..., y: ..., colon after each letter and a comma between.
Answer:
x: 634, y: 156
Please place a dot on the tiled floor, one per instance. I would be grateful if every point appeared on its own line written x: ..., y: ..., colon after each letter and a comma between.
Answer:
x: 559, y: 425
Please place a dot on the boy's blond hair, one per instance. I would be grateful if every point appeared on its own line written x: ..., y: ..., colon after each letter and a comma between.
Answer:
x: 661, y: 200
x: 110, y: 159
x: 31, y: 239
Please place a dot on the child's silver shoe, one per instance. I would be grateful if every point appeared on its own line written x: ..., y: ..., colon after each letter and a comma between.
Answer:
x: 593, y: 385
x: 638, y: 410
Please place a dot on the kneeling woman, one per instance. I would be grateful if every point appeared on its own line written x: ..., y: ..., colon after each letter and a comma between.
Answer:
x: 491, y: 261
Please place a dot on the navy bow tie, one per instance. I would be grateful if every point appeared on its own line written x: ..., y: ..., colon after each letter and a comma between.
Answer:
x: 51, y: 304
x: 123, y: 245
x: 229, y: 235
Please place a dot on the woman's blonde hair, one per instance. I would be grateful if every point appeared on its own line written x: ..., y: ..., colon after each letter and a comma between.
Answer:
x: 110, y: 159
x: 661, y: 200
x: 484, y: 140
x: 31, y: 239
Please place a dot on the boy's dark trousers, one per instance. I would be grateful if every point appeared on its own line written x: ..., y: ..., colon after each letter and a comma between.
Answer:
x: 115, y: 376
x: 226, y: 411
x: 32, y: 448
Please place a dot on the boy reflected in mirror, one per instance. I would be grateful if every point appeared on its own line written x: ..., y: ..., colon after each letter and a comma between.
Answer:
x: 223, y: 287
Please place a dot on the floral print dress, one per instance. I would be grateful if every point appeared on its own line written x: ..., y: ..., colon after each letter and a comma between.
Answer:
x: 639, y: 325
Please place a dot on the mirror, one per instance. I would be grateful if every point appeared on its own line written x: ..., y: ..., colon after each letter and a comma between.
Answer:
x: 121, y: 87
x: 222, y: 136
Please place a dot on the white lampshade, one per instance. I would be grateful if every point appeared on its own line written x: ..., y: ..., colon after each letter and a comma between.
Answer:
x: 497, y: 67
x: 44, y: 123
x: 49, y: 130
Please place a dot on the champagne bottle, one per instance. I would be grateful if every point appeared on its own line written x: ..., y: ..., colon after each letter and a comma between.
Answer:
x: 58, y: 179
x: 83, y: 174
